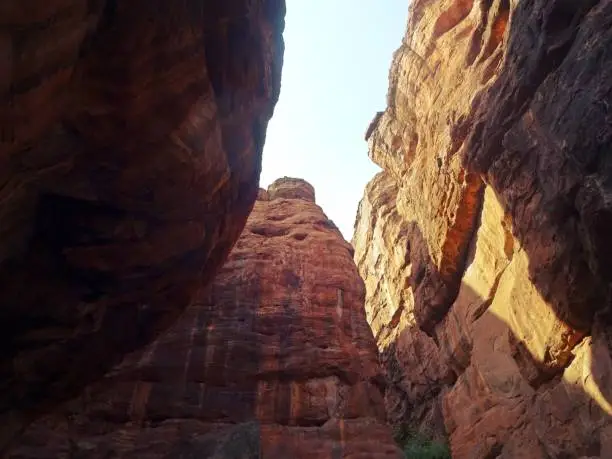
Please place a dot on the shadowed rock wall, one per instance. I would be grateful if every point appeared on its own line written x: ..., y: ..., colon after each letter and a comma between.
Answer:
x: 131, y: 135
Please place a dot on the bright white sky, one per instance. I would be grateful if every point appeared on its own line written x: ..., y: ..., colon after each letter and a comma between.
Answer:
x: 335, y: 78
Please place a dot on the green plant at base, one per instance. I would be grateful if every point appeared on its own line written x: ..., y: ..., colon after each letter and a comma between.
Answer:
x: 417, y: 446
x: 426, y: 449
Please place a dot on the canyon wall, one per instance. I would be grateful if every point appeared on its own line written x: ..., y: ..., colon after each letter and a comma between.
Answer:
x: 484, y: 241
x: 274, y: 360
x: 131, y: 135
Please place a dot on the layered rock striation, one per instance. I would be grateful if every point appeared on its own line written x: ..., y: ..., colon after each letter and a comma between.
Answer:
x: 131, y: 141
x: 482, y: 241
x: 274, y: 360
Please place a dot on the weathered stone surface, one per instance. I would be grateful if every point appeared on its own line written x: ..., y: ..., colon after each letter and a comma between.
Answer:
x: 275, y: 360
x: 131, y: 140
x: 481, y: 244
x: 392, y: 261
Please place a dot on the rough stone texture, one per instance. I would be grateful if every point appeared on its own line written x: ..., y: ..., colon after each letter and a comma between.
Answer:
x: 275, y: 360
x: 484, y: 242
x: 130, y: 151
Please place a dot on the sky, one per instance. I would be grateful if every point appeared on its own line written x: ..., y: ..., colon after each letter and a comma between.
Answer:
x: 335, y: 79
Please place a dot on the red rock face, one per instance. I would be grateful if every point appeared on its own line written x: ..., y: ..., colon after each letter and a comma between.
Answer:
x: 131, y: 140
x: 275, y: 360
x: 481, y: 244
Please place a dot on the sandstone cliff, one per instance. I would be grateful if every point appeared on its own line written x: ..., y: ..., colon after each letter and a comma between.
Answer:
x: 274, y: 360
x: 484, y: 243
x: 131, y: 141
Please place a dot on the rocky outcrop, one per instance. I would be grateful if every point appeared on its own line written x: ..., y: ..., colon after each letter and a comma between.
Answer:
x: 274, y: 360
x: 131, y: 140
x: 481, y: 243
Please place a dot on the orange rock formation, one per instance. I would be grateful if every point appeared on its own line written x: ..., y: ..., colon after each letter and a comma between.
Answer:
x: 483, y: 244
x: 275, y: 360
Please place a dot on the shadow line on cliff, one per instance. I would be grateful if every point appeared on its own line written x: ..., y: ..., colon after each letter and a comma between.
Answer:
x: 540, y: 139
x: 475, y: 373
